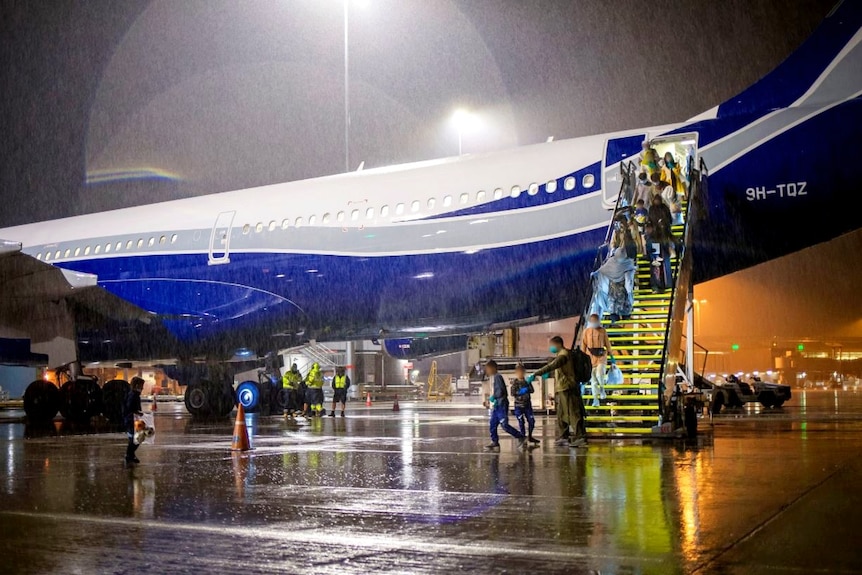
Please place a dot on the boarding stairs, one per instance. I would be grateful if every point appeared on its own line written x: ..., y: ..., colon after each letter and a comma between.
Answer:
x: 314, y: 352
x: 647, y: 346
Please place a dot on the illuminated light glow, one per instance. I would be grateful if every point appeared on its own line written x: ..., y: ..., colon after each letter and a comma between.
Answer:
x: 470, y: 252
x: 424, y: 276
x: 128, y: 174
x: 280, y: 276
x: 311, y: 271
x: 483, y: 221
x: 735, y: 347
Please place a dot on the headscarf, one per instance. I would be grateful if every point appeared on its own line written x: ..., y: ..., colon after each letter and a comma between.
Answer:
x: 616, y: 266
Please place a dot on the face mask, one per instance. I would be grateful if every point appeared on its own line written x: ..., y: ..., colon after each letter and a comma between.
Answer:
x: 553, y: 349
x: 593, y: 324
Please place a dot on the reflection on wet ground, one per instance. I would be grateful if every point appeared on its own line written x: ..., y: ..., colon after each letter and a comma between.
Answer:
x: 413, y: 492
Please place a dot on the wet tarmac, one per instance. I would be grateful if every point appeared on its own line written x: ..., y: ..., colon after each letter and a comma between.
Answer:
x: 414, y: 492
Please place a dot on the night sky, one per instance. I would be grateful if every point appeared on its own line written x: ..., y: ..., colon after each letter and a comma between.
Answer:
x: 153, y: 100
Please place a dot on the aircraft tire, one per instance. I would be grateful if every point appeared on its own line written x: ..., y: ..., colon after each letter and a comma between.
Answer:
x: 81, y: 400
x: 197, y: 400
x: 282, y: 399
x: 113, y: 395
x: 248, y: 395
x: 41, y: 401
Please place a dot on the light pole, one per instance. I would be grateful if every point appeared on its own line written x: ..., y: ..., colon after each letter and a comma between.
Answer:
x: 346, y: 93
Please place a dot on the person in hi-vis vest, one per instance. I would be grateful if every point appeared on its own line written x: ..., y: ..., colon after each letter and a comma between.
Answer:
x: 340, y: 385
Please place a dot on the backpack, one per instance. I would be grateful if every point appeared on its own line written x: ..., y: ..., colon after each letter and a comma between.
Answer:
x: 581, y: 365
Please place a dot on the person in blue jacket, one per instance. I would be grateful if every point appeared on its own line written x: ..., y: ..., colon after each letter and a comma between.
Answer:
x: 500, y: 408
x: 522, y: 394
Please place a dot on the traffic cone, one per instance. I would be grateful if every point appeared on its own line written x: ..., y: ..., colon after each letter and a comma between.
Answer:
x: 368, y: 400
x: 155, y: 406
x: 240, y: 431
x: 395, y: 405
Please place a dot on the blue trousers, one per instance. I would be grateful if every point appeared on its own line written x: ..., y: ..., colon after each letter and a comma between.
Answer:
x: 525, y: 412
x: 500, y: 417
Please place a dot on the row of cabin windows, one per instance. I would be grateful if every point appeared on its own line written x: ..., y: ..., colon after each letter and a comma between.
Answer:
x: 414, y: 207
x: 106, y: 248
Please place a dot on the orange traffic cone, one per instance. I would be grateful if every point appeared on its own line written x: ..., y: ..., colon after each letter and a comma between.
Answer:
x: 154, y: 406
x: 395, y: 405
x: 240, y: 431
x: 368, y: 400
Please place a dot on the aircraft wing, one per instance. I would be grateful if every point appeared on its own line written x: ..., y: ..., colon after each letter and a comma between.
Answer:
x: 34, y: 296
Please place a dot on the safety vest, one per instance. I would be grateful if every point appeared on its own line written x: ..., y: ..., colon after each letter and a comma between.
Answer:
x: 340, y: 381
x: 314, y: 379
x: 290, y: 379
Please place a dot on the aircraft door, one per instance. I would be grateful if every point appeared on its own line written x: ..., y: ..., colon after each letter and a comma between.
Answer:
x: 220, y: 239
x: 618, y: 153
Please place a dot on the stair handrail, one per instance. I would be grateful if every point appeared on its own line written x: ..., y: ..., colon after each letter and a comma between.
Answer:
x: 627, y: 170
x: 681, y: 281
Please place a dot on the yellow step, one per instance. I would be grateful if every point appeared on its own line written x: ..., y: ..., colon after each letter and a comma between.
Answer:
x: 614, y: 386
x: 635, y: 397
x: 628, y: 330
x: 623, y: 407
x: 637, y: 347
x: 620, y: 430
x: 624, y: 418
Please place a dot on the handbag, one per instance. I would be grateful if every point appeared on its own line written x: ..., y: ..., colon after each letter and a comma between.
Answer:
x: 597, y: 351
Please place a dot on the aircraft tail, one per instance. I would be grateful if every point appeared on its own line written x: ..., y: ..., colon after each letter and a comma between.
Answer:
x: 826, y: 67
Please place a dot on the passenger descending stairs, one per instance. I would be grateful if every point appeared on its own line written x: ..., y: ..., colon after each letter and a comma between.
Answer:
x: 633, y: 407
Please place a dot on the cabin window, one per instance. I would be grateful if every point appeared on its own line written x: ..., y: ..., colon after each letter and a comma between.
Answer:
x: 414, y: 207
x: 431, y: 203
x: 39, y: 256
x: 285, y: 223
x: 588, y: 181
x: 259, y: 227
x: 272, y: 225
x: 551, y: 186
x: 150, y: 243
x: 516, y: 191
x: 246, y: 229
x: 77, y: 252
x: 67, y: 253
x: 498, y: 193
x: 533, y: 189
x: 312, y: 220
x: 384, y: 211
x: 107, y: 248
x: 447, y: 201
x: 369, y: 214
x: 140, y: 244
x: 298, y: 222
x: 325, y: 219
x: 480, y: 196
x: 465, y: 198
x: 399, y: 209
x: 162, y: 240
x: 569, y: 184
x: 129, y: 245
x: 98, y: 249
x: 354, y: 215
x: 174, y: 239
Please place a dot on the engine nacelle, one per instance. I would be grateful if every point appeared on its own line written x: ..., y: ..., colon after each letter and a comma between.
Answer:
x: 417, y: 348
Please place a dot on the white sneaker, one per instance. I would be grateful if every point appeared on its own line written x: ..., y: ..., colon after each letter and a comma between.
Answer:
x: 596, y: 403
x: 603, y: 395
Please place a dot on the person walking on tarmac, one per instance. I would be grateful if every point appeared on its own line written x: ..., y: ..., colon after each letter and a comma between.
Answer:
x: 340, y: 385
x: 597, y: 345
x: 499, y: 400
x: 291, y: 382
x: 314, y: 393
x: 522, y: 392
x: 131, y: 408
x: 568, y: 398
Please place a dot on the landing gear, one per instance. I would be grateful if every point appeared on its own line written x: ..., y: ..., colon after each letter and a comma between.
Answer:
x: 196, y: 400
x: 82, y: 399
x: 113, y: 394
x: 41, y: 401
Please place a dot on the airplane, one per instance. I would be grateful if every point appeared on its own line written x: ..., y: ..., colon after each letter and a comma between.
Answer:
x: 438, y: 248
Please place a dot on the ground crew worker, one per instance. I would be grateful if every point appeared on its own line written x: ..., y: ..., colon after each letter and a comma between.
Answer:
x: 523, y: 399
x: 568, y: 397
x: 597, y: 345
x: 340, y: 385
x: 131, y: 408
x: 314, y: 393
x: 291, y: 382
